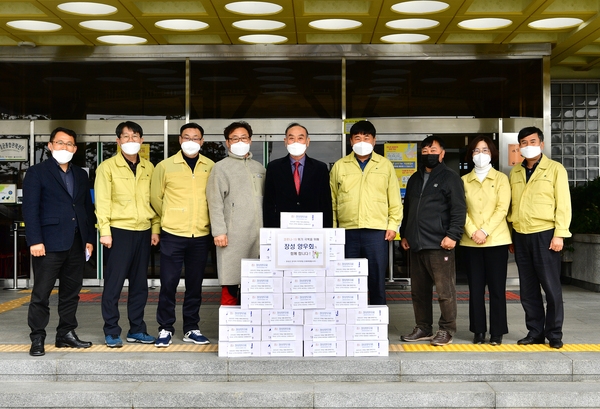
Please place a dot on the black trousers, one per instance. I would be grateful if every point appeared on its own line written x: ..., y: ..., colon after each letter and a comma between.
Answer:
x: 540, y: 267
x: 175, y: 252
x: 128, y: 258
x: 486, y: 266
x: 67, y: 266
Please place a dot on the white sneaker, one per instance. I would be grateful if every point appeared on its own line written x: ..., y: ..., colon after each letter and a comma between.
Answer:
x: 164, y: 339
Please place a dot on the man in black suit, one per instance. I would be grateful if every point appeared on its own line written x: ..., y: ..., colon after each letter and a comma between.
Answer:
x: 296, y: 183
x: 59, y: 228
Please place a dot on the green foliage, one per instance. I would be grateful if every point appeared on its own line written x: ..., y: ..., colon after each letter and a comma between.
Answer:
x: 585, y: 200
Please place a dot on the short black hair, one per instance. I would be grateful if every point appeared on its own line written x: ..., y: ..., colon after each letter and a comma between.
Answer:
x: 235, y: 125
x: 363, y: 128
x: 488, y: 141
x: 293, y: 124
x: 69, y: 132
x: 131, y: 125
x: 530, y: 130
x: 191, y: 125
x: 427, y: 142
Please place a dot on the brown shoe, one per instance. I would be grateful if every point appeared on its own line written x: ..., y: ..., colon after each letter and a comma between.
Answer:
x: 441, y: 338
x: 417, y: 335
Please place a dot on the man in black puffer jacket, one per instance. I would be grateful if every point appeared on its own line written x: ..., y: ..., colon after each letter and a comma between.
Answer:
x: 433, y: 222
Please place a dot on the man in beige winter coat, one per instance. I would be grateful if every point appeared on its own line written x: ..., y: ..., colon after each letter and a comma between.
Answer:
x: 235, y: 195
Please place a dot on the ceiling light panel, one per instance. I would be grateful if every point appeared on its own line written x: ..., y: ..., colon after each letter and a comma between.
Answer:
x: 557, y: 23
x: 263, y: 39
x: 122, y: 40
x: 258, y: 25
x: 253, y: 8
x: 85, y: 8
x: 34, y: 25
x: 106, y: 25
x: 181, y: 25
x: 420, y: 7
x: 412, y: 24
x: 334, y: 24
x: 485, y: 23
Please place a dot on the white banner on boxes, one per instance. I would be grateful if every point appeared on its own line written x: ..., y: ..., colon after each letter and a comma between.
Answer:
x: 300, y: 249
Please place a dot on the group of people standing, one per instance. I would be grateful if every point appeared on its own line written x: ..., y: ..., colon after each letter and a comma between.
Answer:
x: 187, y: 200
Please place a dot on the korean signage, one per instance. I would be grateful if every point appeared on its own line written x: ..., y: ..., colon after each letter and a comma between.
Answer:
x: 300, y: 249
x: 404, y: 158
x: 13, y: 149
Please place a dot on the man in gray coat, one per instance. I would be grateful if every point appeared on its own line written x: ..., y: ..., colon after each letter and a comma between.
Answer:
x: 235, y: 195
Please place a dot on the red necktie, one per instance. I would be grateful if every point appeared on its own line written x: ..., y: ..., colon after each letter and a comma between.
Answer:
x: 297, y: 177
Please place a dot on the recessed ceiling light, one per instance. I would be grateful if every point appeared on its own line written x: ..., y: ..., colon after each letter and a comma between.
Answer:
x: 555, y: 23
x: 253, y: 8
x: 263, y: 39
x: 404, y: 38
x: 485, y: 23
x: 259, y: 25
x: 122, y: 40
x: 181, y: 25
x: 412, y: 24
x: 420, y: 7
x: 33, y: 25
x: 335, y: 24
x: 106, y: 25
x: 87, y: 8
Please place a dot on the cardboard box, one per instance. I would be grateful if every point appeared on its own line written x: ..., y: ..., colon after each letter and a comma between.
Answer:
x: 235, y: 315
x: 336, y: 236
x: 349, y: 267
x: 323, y: 333
x: 281, y: 348
x: 259, y: 301
x: 346, y: 300
x: 366, y: 332
x: 239, y: 349
x: 325, y: 348
x: 301, y: 220
x: 258, y: 268
x: 262, y: 285
x: 368, y: 348
x: 324, y: 317
x: 282, y: 333
x: 373, y: 314
x: 237, y: 333
x: 304, y: 272
x: 266, y: 252
x: 346, y: 284
x: 282, y: 317
x: 266, y: 235
x: 304, y: 301
x: 304, y: 284
x: 336, y: 252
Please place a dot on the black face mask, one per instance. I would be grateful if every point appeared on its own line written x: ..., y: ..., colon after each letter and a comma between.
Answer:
x: 430, y: 161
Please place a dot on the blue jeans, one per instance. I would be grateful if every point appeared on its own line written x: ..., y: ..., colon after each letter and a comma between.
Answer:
x: 176, y: 252
x: 370, y: 244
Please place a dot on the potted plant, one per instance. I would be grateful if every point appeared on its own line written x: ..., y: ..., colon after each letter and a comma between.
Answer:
x: 585, y: 226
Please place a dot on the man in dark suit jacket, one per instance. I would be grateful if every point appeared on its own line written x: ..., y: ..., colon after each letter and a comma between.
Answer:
x: 304, y: 190
x: 59, y: 227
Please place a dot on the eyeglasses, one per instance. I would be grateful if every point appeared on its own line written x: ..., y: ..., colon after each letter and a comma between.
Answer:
x: 484, y: 150
x: 188, y: 139
x: 61, y: 144
x: 236, y: 139
x: 127, y: 137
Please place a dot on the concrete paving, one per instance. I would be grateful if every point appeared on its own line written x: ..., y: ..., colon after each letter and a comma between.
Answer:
x: 161, y: 378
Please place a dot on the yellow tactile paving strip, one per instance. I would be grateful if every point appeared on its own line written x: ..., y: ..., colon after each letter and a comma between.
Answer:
x: 126, y: 348
x: 496, y: 348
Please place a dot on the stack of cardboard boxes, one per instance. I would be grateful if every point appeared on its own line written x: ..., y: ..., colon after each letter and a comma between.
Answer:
x: 302, y: 298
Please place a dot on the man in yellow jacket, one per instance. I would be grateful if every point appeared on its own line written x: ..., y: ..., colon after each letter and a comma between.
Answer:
x: 178, y: 194
x: 366, y: 202
x: 127, y: 225
x: 540, y: 214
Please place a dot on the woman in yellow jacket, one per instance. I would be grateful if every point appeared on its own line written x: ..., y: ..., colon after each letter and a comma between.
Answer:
x: 485, y: 240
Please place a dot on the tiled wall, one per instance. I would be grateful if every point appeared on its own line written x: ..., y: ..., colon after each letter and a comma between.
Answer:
x: 574, y: 122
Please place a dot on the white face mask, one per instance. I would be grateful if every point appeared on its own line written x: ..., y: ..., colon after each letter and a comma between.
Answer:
x: 296, y: 149
x: 529, y: 152
x: 240, y: 148
x: 63, y: 156
x: 190, y: 148
x: 481, y: 160
x: 131, y: 148
x: 362, y: 148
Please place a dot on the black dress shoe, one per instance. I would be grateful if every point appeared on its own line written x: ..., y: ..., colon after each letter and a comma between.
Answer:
x: 556, y: 343
x: 37, y: 347
x: 479, y: 338
x: 70, y: 340
x: 531, y: 341
x: 496, y: 340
